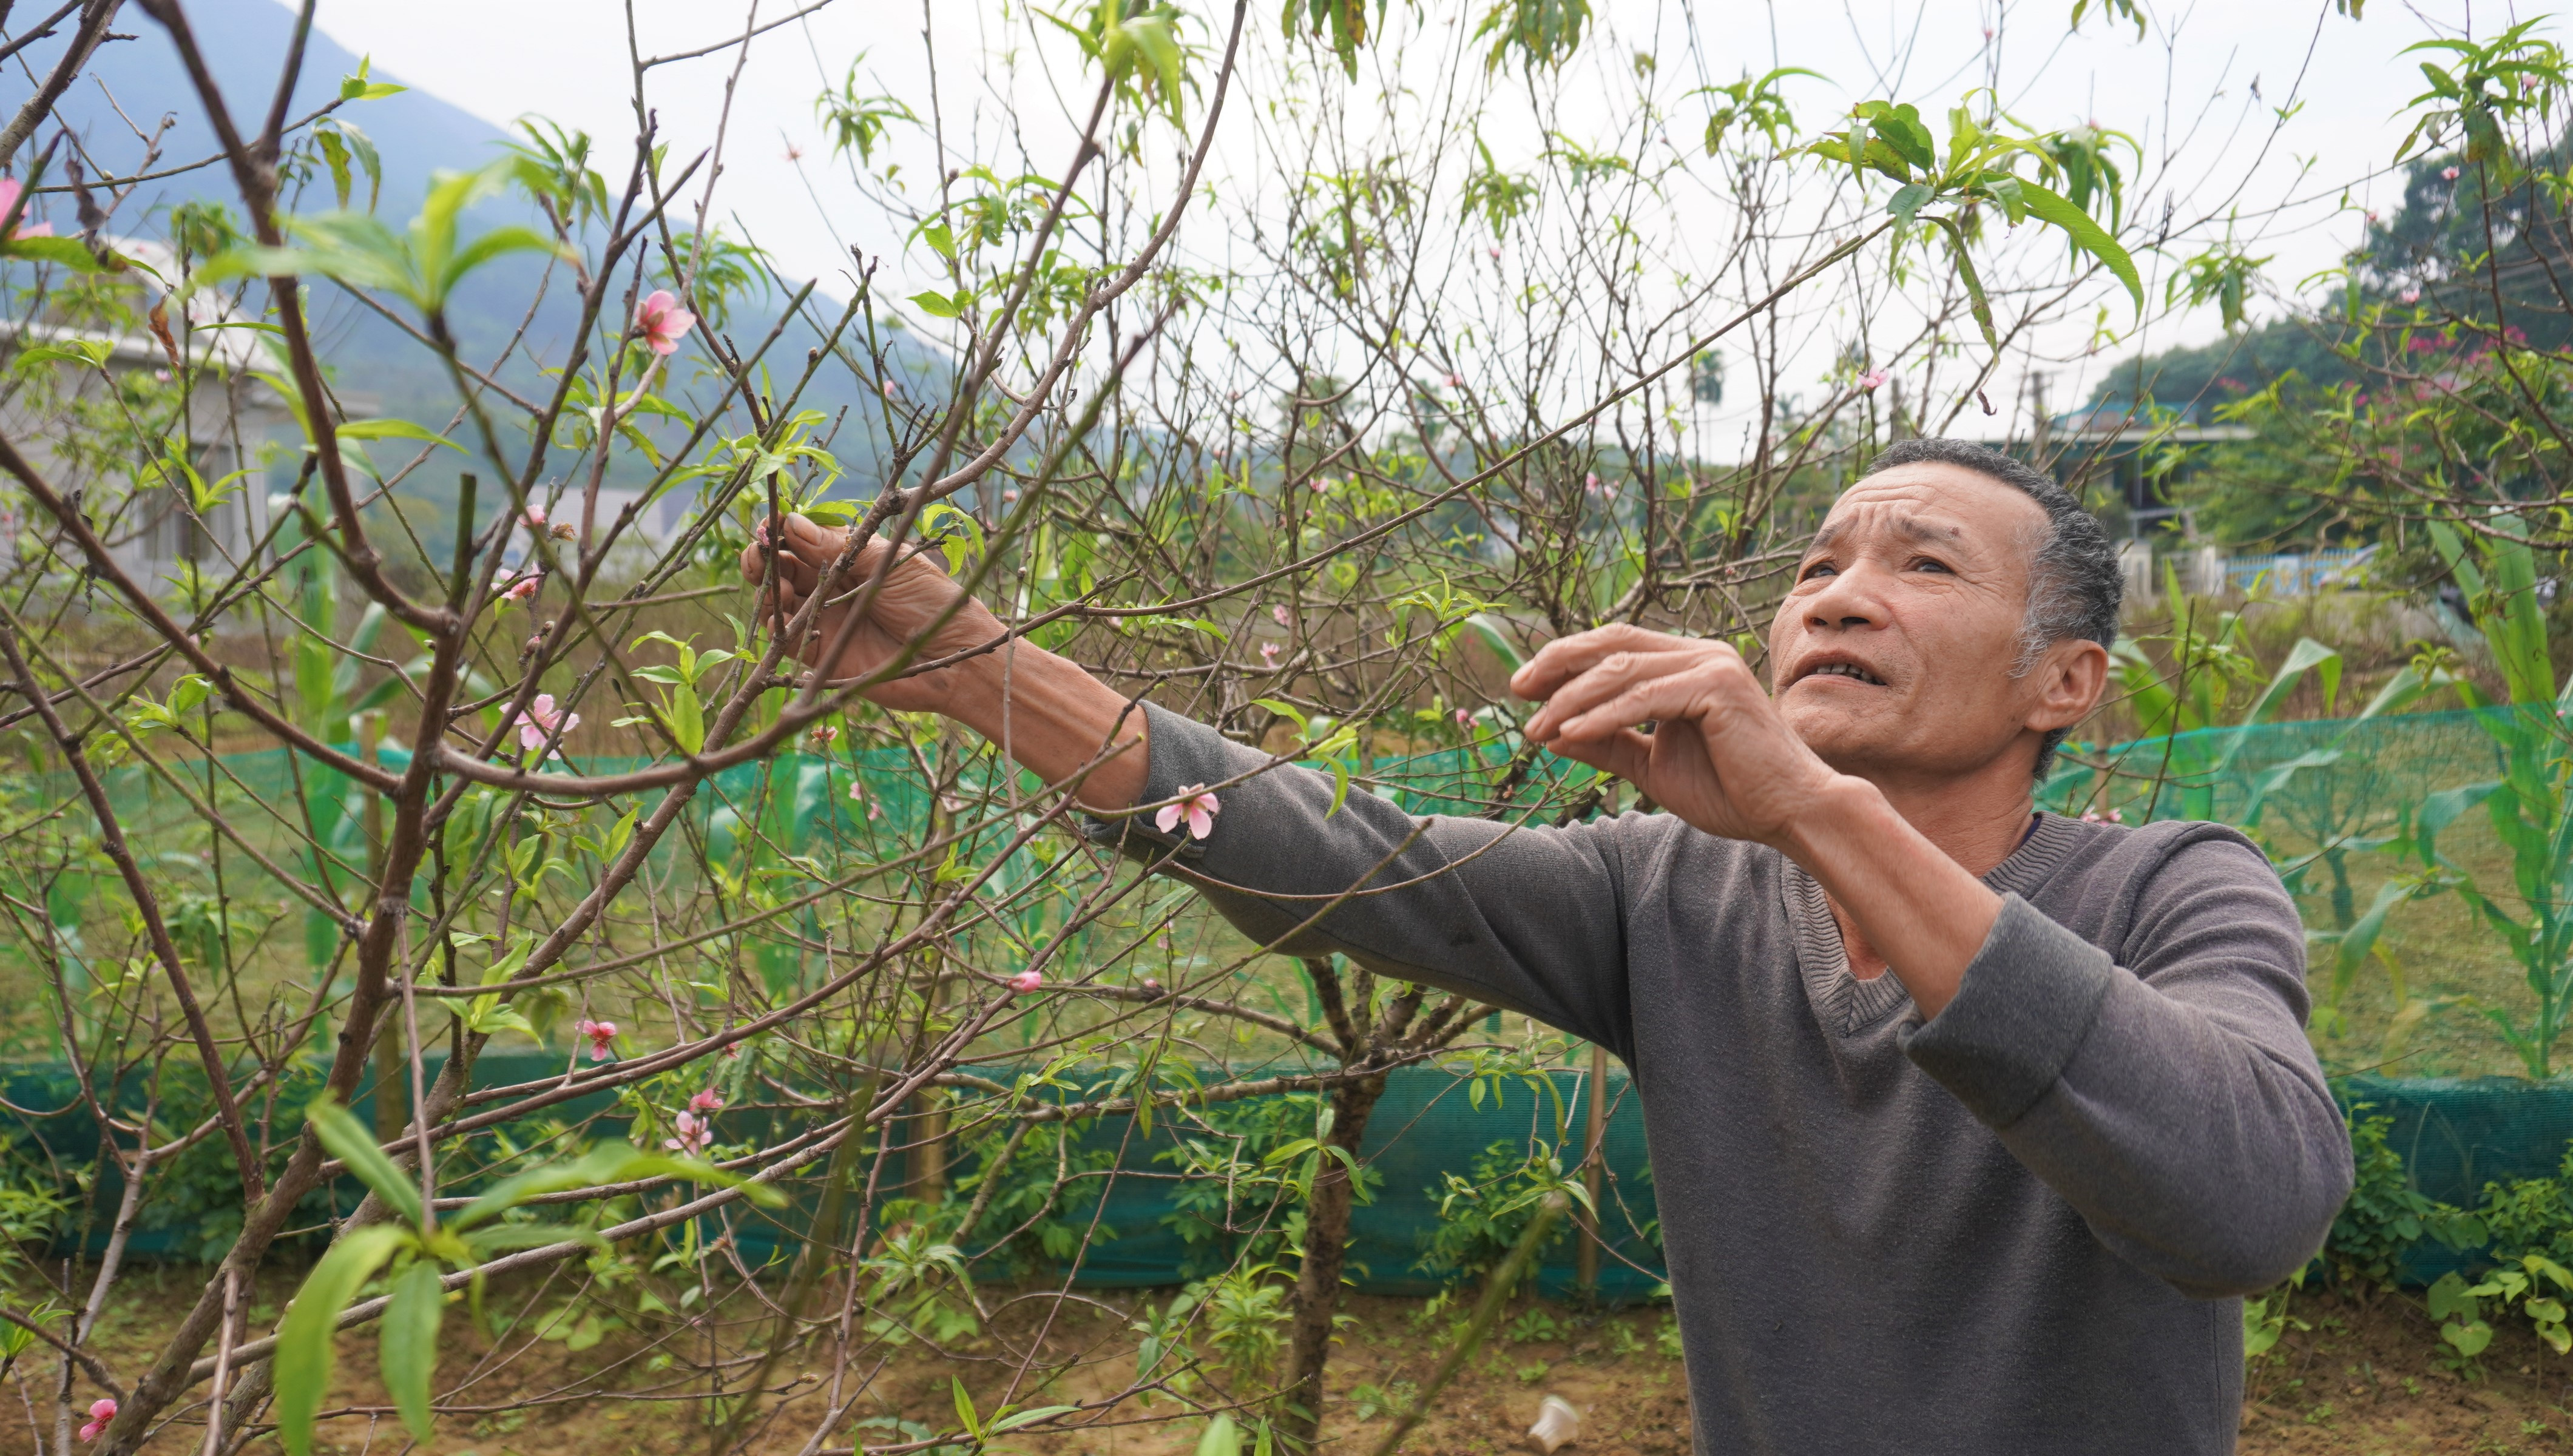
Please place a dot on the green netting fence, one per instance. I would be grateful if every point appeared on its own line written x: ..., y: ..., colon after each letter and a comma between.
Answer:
x: 1427, y: 1126
x: 2323, y: 797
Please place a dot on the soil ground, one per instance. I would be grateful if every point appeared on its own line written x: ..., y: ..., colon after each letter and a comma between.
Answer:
x: 2349, y: 1378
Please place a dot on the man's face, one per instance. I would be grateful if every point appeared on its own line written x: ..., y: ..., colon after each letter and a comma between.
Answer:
x: 1893, y: 652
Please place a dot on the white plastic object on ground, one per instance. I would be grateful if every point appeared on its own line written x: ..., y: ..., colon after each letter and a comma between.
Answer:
x: 1557, y: 1424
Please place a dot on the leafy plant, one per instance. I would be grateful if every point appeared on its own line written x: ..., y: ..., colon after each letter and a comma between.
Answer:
x: 1246, y: 1316
x: 417, y: 1247
x: 2536, y: 1284
x: 2528, y: 805
x: 1977, y: 171
x: 1481, y: 1217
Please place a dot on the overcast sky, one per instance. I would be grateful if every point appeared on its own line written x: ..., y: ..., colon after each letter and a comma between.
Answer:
x: 2199, y: 90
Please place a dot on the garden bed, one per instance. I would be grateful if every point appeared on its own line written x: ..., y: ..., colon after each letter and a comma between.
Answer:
x: 2355, y: 1377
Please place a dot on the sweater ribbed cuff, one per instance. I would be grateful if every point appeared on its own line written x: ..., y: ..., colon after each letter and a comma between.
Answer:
x: 2028, y: 999
x: 1179, y: 752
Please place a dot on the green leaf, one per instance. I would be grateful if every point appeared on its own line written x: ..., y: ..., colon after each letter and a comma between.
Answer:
x: 2360, y: 938
x: 394, y: 429
x: 305, y: 1341
x: 92, y: 352
x: 1221, y: 1437
x: 1030, y: 1417
x: 2306, y: 655
x: 939, y: 306
x: 1283, y: 709
x: 612, y: 1163
x: 353, y: 1144
x: 334, y: 154
x: 360, y: 88
x: 965, y: 1409
x: 2086, y: 234
x: 1908, y: 201
x: 688, y: 719
x: 2441, y: 809
x: 1975, y: 299
x: 69, y: 253
x: 2469, y: 1339
x: 406, y: 1349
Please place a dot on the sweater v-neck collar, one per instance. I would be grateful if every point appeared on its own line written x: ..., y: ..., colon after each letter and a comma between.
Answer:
x: 1846, y: 1005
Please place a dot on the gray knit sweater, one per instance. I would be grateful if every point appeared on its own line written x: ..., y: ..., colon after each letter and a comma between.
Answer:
x: 2023, y: 1227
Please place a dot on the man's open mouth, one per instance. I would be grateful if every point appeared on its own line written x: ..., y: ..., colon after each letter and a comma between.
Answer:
x: 1848, y: 670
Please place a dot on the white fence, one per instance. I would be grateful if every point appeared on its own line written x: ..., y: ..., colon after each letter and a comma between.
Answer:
x: 2207, y: 571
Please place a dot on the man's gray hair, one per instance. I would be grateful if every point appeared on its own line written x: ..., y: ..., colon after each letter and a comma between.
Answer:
x: 2073, y: 584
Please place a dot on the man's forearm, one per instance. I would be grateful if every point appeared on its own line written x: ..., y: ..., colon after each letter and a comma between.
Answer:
x: 1054, y: 718
x: 1927, y: 915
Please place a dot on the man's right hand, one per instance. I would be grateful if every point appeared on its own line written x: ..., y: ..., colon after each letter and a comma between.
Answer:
x: 911, y: 600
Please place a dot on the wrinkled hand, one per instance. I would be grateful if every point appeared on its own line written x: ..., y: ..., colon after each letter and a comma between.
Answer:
x: 908, y: 603
x: 1719, y: 757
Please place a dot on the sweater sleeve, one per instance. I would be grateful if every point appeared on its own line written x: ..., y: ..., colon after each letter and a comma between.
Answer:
x: 1523, y: 918
x: 2174, y: 1100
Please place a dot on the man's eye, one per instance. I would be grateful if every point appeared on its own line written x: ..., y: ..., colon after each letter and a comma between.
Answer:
x: 1925, y: 565
x: 1820, y: 568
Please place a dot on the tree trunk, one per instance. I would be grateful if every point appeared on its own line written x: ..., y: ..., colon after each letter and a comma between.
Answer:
x: 1326, y: 1248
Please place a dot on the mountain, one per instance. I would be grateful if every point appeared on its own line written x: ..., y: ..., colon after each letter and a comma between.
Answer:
x: 415, y: 134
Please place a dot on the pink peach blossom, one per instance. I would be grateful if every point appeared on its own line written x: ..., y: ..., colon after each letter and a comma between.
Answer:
x: 1196, y: 805
x: 1873, y: 381
x: 1026, y: 981
x: 542, y: 722
x: 1464, y: 719
x: 694, y: 1134
x: 522, y: 585
x: 663, y: 321
x: 103, y: 1410
x: 825, y: 733
x: 2448, y: 173
x: 9, y: 190
x: 534, y: 518
x: 2411, y: 295
x: 708, y: 1101
x: 599, y: 1035
x: 1268, y: 655
x: 1282, y: 616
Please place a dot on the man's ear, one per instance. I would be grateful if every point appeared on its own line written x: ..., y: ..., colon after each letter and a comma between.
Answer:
x: 2070, y: 679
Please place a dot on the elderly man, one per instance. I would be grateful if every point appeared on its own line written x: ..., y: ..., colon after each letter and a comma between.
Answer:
x: 1970, y: 1124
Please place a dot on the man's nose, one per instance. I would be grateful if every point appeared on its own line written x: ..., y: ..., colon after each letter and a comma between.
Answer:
x: 1849, y: 600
